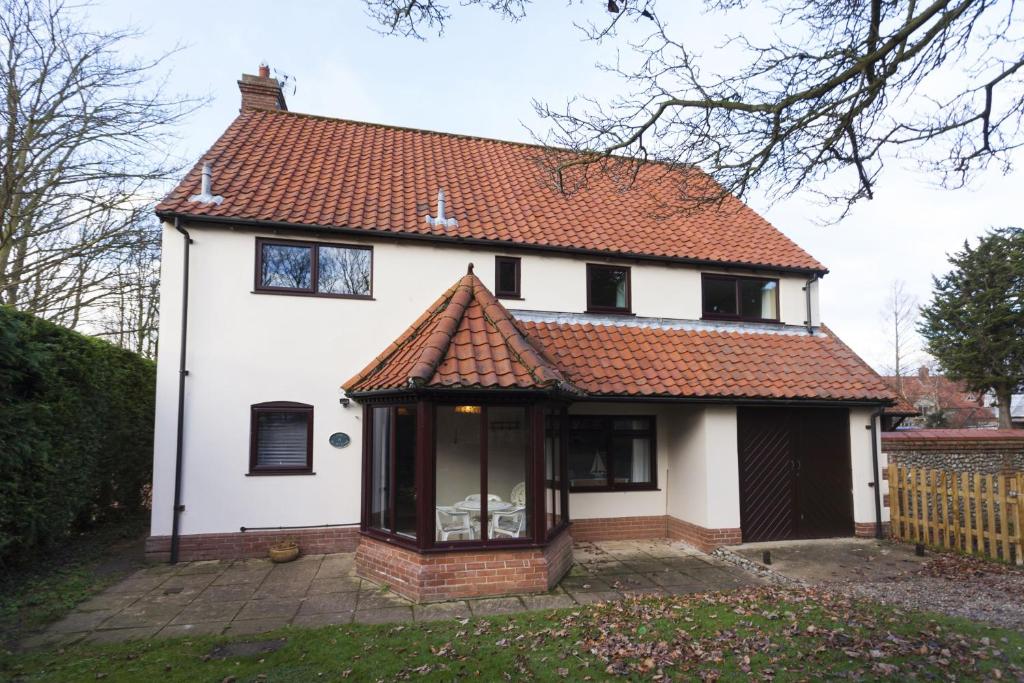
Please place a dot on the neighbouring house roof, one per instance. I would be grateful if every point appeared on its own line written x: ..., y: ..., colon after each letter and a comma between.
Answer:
x: 468, y: 340
x: 464, y: 340
x: 901, y: 408
x: 924, y: 392
x: 281, y: 167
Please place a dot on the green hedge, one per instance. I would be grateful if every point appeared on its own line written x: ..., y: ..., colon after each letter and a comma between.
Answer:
x: 76, y: 432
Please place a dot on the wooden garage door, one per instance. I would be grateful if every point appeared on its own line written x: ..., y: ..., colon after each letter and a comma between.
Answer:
x: 795, y: 479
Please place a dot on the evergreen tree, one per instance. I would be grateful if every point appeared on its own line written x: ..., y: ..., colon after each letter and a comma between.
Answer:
x: 974, y: 325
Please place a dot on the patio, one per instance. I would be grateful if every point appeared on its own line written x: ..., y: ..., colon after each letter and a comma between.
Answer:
x: 253, y: 596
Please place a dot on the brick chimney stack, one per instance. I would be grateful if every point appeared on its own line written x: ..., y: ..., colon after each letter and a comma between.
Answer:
x: 262, y: 91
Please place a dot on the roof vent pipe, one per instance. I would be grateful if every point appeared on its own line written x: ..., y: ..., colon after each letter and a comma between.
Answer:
x: 441, y: 220
x: 206, y: 195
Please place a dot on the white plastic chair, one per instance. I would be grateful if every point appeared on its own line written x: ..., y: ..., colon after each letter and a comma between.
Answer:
x: 518, y: 495
x: 510, y: 523
x: 452, y: 522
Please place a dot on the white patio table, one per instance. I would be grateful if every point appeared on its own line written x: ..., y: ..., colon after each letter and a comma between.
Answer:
x: 473, y: 507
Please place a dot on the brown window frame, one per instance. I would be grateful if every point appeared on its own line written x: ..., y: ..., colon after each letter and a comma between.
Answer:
x: 314, y: 276
x: 650, y: 433
x: 736, y: 279
x: 508, y: 294
x: 592, y: 308
x: 279, y: 407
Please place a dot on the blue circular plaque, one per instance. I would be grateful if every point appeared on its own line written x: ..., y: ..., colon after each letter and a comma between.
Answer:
x: 340, y: 439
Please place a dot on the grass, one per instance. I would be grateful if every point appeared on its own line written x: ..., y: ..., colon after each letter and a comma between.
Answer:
x: 47, y: 587
x: 784, y: 634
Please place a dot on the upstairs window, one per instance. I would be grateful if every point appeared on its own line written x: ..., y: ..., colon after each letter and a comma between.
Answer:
x: 752, y: 299
x: 608, y: 289
x: 317, y: 269
x: 281, y: 438
x: 506, y: 277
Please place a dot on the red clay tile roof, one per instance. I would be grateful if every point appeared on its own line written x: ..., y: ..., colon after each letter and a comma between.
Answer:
x: 624, y: 360
x: 300, y: 169
x: 902, y: 407
x: 465, y: 340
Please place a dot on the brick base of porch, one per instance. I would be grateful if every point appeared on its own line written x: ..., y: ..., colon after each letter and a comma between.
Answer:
x: 428, y: 577
x: 237, y: 545
x: 700, y: 537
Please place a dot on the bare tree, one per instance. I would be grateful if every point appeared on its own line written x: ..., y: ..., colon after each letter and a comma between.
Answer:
x: 824, y: 97
x: 127, y: 309
x: 899, y: 317
x: 82, y: 157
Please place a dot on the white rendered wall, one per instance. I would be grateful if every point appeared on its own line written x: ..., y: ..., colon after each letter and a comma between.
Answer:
x: 246, y: 348
x: 861, y: 465
x: 704, y: 470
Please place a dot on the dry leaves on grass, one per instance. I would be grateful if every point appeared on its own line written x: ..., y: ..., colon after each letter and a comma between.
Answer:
x: 819, y: 625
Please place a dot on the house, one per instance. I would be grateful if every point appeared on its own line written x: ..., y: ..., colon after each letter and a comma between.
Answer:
x: 407, y: 343
x: 938, y: 401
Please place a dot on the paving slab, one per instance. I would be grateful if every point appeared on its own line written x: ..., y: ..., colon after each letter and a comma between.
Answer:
x: 335, y: 566
x: 380, y: 600
x: 600, y: 596
x: 77, y: 622
x: 107, y: 601
x: 489, y: 606
x: 270, y: 609
x: 439, y: 611
x: 204, y: 567
x: 121, y: 635
x: 342, y: 584
x: 230, y: 593
x: 184, y: 630
x: 240, y: 627
x: 203, y: 611
x: 548, y: 601
x: 328, y: 602
x: 282, y: 588
x: 385, y: 615
x: 143, y: 614
x: 588, y: 584
x: 242, y: 575
x: 319, y: 620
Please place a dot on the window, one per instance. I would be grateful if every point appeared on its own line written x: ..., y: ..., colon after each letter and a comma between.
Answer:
x: 608, y: 453
x: 608, y: 289
x: 392, y: 496
x: 482, y: 474
x: 281, y: 438
x: 553, y: 491
x: 726, y: 297
x: 317, y: 269
x: 506, y: 277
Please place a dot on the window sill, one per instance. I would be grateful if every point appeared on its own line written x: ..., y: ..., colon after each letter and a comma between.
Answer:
x: 731, y: 319
x: 314, y: 295
x: 509, y: 297
x: 614, y: 489
x: 280, y: 473
x: 611, y: 311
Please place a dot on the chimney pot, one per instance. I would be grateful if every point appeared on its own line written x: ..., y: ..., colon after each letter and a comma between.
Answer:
x: 922, y: 372
x: 264, y: 71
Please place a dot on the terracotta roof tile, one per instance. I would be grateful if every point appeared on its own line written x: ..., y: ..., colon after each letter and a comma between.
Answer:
x: 294, y: 168
x: 465, y: 340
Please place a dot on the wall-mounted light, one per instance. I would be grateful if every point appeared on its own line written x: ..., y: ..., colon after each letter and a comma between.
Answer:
x: 345, y: 401
x: 468, y: 410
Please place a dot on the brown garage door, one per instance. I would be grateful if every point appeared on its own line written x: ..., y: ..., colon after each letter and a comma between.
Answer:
x: 795, y: 479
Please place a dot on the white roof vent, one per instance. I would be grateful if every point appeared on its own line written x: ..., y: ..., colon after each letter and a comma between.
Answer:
x: 206, y: 195
x: 441, y: 220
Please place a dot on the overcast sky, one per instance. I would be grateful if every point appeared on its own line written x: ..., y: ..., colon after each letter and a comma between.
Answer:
x: 479, y: 79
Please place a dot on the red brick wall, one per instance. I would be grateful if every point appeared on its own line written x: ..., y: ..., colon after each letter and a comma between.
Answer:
x: 619, y: 528
x: 252, y: 543
x: 426, y: 577
x: 700, y: 537
x: 867, y: 529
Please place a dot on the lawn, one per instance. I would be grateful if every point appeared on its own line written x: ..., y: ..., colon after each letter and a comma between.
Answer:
x: 46, y: 587
x: 764, y: 632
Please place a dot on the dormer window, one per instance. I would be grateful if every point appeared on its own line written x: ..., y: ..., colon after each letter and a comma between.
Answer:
x: 608, y: 289
x: 734, y: 297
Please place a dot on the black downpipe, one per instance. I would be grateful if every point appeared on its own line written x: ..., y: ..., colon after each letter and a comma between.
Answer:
x: 875, y: 417
x: 807, y: 292
x: 182, y: 373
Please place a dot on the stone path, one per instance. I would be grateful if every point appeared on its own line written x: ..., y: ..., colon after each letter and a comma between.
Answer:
x: 254, y: 596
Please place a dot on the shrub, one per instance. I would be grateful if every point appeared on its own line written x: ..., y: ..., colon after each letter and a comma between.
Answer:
x: 76, y: 432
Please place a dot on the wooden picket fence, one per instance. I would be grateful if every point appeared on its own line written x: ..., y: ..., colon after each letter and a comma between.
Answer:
x: 973, y: 513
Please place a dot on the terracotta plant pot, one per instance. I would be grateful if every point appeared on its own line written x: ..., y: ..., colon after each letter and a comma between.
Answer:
x: 284, y: 552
